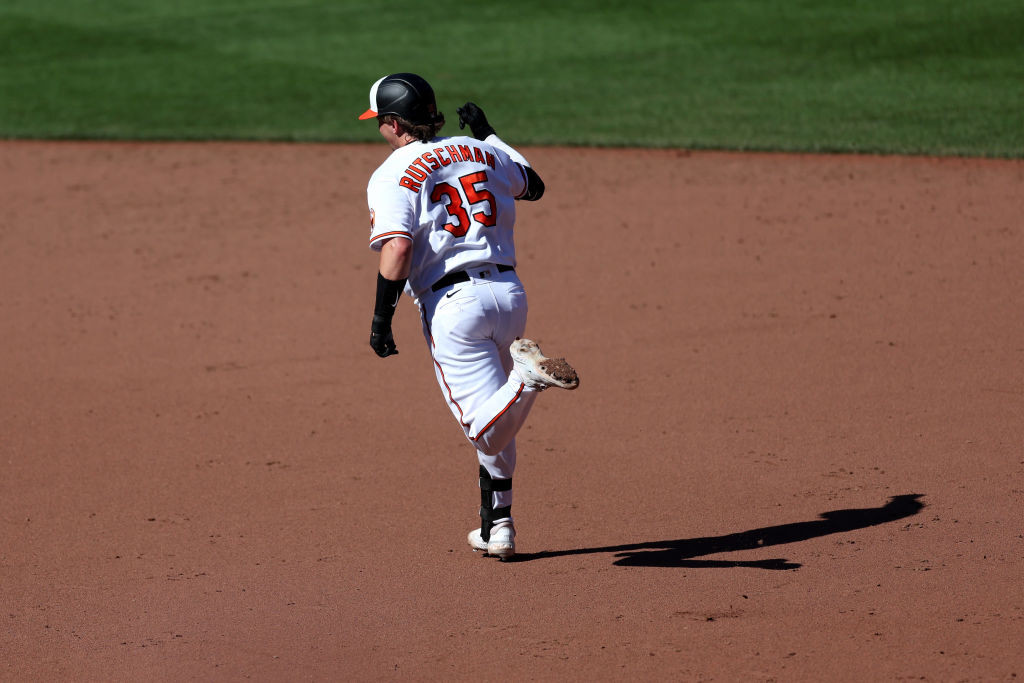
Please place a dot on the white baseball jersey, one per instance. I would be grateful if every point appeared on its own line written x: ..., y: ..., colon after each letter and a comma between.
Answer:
x: 454, y: 198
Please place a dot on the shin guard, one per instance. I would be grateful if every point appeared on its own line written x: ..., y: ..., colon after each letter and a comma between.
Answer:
x: 489, y: 513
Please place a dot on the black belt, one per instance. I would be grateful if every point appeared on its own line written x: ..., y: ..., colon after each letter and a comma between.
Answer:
x: 462, y: 276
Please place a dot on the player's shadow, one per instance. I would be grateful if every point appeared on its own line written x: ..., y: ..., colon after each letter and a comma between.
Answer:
x: 680, y: 552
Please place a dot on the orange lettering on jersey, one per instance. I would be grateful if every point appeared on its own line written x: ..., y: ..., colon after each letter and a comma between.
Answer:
x: 422, y: 166
x: 419, y: 162
x: 439, y: 153
x: 407, y: 182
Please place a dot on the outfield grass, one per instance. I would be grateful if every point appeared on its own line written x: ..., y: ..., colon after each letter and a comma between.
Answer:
x: 900, y: 76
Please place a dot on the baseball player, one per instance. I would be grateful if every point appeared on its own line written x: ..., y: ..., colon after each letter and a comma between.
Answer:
x: 442, y: 211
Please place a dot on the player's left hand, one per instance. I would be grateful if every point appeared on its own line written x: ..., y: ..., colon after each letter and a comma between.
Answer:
x: 473, y: 116
x: 381, y: 339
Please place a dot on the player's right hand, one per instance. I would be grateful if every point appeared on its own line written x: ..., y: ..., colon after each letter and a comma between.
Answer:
x: 473, y: 116
x: 382, y: 341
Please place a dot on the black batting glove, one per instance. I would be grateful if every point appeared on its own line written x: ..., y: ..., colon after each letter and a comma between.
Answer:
x: 381, y: 340
x: 473, y: 116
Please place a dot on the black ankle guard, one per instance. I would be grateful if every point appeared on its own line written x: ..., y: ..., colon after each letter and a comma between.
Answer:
x: 489, y: 513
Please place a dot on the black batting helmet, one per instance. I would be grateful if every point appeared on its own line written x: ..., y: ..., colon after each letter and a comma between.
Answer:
x: 405, y: 95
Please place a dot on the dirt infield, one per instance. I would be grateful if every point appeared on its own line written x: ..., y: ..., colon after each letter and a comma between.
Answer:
x: 797, y: 451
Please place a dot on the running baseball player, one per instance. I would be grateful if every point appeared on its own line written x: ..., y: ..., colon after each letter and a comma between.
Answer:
x: 442, y: 211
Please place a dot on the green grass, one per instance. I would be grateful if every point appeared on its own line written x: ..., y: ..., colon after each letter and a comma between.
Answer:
x: 892, y: 76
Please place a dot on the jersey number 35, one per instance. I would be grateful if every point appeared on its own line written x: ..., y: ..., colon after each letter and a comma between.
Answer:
x: 471, y: 195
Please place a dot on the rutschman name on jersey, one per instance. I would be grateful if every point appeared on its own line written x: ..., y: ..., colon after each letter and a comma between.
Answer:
x: 428, y: 162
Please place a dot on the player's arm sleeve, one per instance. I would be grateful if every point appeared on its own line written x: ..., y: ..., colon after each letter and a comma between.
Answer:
x: 377, y: 241
x: 525, y: 182
x: 391, y: 212
x: 533, y: 186
x: 494, y: 141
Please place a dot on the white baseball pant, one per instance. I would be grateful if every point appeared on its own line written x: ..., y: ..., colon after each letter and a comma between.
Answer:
x: 469, y: 327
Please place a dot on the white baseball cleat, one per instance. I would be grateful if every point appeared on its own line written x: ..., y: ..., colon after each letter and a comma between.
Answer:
x: 502, y: 543
x: 538, y: 371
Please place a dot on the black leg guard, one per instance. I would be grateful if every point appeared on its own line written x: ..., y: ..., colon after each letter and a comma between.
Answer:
x: 489, y: 513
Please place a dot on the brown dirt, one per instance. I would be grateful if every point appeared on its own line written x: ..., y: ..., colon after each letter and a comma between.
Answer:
x: 796, y: 453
